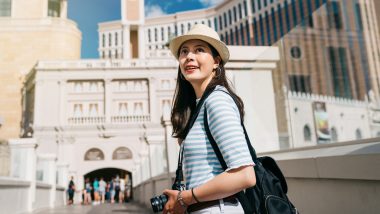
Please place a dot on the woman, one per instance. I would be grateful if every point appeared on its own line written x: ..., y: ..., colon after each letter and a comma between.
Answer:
x: 202, y: 56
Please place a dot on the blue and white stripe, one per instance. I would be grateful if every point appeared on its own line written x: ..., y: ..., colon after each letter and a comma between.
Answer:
x: 200, y: 161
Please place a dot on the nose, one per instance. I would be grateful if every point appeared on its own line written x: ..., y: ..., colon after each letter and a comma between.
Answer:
x: 190, y: 56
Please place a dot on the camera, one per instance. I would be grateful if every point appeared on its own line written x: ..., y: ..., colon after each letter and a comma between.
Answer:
x: 159, y: 202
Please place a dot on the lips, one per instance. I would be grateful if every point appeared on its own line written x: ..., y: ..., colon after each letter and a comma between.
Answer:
x: 190, y: 68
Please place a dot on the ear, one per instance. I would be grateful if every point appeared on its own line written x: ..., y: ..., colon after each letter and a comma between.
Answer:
x: 217, y: 61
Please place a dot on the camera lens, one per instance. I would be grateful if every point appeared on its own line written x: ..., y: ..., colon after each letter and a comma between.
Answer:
x: 158, y: 202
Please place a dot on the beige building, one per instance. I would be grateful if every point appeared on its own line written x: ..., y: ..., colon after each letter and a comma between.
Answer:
x: 30, y: 30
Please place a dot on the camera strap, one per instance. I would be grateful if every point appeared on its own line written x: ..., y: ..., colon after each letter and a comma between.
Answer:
x: 179, y: 172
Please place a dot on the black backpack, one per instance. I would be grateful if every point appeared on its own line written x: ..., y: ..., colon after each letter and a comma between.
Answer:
x: 268, y: 196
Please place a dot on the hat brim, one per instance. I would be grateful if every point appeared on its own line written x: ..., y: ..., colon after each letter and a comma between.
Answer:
x: 219, y: 46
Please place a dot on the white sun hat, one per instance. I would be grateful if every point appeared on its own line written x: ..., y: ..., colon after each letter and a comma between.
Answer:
x: 204, y: 33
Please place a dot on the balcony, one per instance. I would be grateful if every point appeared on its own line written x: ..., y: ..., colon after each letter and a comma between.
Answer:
x: 86, y: 120
x: 114, y: 120
x: 130, y: 119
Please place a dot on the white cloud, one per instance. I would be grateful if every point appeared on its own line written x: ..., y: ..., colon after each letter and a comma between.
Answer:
x: 153, y: 11
x: 208, y: 3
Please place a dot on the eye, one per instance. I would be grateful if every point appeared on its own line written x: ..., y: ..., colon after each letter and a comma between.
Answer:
x: 183, y: 51
x: 200, y: 50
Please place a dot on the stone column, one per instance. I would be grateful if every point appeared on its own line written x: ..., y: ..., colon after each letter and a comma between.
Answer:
x: 23, y: 164
x: 107, y: 100
x: 141, y: 42
x: 49, y: 171
x: 63, y: 14
x: 126, y: 42
x: 172, y: 147
x: 62, y: 103
x: 153, y: 100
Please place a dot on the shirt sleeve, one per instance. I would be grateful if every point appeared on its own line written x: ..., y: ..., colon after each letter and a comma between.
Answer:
x: 225, y: 127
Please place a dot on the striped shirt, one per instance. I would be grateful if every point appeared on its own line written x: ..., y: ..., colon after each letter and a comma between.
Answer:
x: 200, y: 162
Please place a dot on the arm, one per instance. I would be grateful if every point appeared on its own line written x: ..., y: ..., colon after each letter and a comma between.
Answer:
x: 238, y: 179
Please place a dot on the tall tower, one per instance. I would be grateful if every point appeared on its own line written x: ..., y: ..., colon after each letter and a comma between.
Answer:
x: 30, y: 30
x: 132, y: 20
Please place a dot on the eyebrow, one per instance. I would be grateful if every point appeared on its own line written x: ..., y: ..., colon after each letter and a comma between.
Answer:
x: 200, y: 45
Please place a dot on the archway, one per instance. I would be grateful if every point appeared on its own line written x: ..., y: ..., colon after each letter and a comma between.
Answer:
x: 109, y: 174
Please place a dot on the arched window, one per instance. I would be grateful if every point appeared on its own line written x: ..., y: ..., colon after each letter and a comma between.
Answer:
x: 94, y: 154
x: 122, y: 153
x: 123, y: 109
x: 306, y: 133
x: 358, y: 134
x: 334, y: 134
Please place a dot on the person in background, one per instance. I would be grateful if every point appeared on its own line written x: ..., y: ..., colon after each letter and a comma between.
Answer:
x: 96, y: 191
x: 71, y: 191
x: 102, y: 190
x: 87, y: 192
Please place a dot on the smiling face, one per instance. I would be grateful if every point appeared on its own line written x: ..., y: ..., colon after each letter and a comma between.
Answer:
x: 197, y: 62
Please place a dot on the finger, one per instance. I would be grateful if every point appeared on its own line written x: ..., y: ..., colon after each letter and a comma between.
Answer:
x: 166, y: 191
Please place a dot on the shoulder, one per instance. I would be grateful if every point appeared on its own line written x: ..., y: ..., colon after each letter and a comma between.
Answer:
x: 220, y: 97
x: 220, y: 93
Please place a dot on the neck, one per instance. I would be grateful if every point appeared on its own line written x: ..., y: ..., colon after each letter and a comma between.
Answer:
x: 200, y: 87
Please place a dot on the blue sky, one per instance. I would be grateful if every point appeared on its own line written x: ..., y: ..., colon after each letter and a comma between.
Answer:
x: 88, y: 13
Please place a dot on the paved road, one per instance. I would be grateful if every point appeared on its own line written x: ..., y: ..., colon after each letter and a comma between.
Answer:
x: 127, y: 208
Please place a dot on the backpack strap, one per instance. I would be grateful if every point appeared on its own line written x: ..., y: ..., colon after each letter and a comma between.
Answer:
x: 240, y: 195
x: 210, y: 138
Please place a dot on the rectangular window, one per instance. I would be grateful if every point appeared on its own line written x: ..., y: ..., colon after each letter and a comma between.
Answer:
x: 279, y: 9
x: 235, y: 18
x: 220, y: 23
x: 54, y: 8
x: 255, y: 31
x: 287, y: 16
x: 267, y: 19
x: 245, y: 8
x: 229, y: 17
x: 274, y: 25
x: 109, y: 40
x: 259, y: 5
x: 294, y: 10
x: 237, y: 35
x: 339, y: 72
x: 240, y: 12
x: 216, y: 24
x: 162, y: 34
x: 5, y: 8
x: 116, y: 39
x: 242, y: 34
x: 225, y: 19
x: 299, y: 83
x: 247, y: 31
x: 334, y: 15
x: 261, y: 29
x: 232, y: 41
x: 358, y: 17
x: 253, y: 6
x: 169, y: 33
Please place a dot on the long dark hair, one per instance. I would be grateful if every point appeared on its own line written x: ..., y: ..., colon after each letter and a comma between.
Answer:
x: 184, y: 101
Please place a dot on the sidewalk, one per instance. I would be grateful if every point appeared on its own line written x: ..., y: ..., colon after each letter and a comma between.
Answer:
x: 127, y: 208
